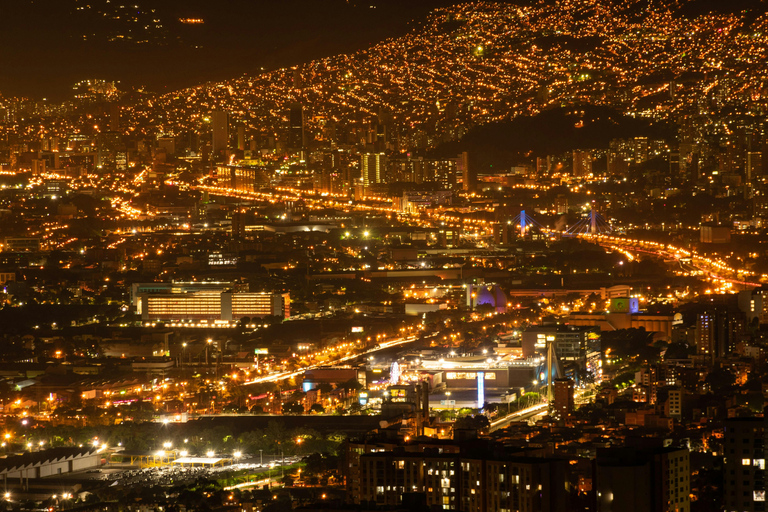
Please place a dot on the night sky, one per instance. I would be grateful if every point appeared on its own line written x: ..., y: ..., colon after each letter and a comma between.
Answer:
x: 48, y: 45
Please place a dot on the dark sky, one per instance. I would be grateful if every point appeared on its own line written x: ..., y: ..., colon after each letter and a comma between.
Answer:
x: 43, y: 51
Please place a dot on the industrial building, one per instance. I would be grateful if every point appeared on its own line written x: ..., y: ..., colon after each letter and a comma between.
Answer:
x: 55, y: 461
x: 140, y: 289
x: 204, y: 302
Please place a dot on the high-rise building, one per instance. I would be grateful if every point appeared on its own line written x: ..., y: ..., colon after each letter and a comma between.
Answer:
x: 241, y: 137
x: 372, y: 166
x: 632, y: 480
x: 718, y: 330
x: 754, y: 304
x: 167, y: 144
x: 620, y: 154
x: 673, y: 407
x: 641, y: 149
x: 562, y: 407
x: 469, y: 178
x: 296, y: 138
x: 561, y: 204
x: 111, y: 151
x: 744, y: 465
x: 582, y: 163
x: 479, y: 483
x: 754, y: 167
x: 238, y: 225
x: 542, y: 166
x: 114, y: 117
x: 220, y: 123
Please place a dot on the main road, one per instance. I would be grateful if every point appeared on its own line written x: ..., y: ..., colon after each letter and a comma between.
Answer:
x: 274, y: 377
x: 521, y: 415
x: 715, y: 269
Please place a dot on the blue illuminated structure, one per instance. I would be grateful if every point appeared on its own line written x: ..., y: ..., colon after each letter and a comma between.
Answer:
x: 480, y: 389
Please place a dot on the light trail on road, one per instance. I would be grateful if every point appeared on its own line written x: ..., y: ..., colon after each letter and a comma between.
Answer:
x: 288, y: 375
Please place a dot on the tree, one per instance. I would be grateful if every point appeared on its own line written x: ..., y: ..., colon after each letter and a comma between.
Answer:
x: 720, y: 380
x: 352, y: 385
x: 679, y: 350
x: 293, y: 408
x: 473, y: 422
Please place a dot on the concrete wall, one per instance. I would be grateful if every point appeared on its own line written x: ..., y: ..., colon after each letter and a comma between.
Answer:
x: 50, y: 468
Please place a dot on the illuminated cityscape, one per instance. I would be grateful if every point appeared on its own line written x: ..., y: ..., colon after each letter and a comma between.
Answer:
x: 504, y: 257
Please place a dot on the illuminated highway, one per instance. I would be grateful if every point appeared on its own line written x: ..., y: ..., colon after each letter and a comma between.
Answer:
x: 289, y: 375
x: 716, y: 270
x: 521, y: 415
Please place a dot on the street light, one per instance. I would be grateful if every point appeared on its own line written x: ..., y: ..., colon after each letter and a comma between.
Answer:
x: 210, y: 453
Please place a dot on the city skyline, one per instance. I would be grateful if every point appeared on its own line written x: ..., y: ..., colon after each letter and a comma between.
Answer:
x: 458, y: 256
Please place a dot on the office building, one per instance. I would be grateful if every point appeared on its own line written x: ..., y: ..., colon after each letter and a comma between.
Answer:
x: 206, y: 307
x: 140, y: 289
